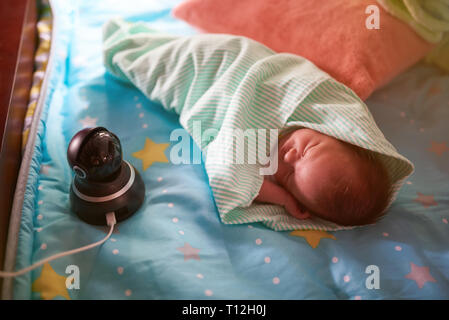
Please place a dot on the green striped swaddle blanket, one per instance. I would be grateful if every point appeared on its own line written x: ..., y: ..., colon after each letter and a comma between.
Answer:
x: 229, y: 83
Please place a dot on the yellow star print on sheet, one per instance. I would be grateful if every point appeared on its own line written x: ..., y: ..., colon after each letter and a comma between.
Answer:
x: 312, y: 237
x: 151, y: 152
x: 50, y: 284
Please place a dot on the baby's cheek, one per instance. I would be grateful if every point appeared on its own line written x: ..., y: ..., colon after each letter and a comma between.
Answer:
x: 281, y: 172
x: 307, y: 188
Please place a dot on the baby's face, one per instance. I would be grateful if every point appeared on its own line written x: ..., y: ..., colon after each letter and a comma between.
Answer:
x: 311, y: 164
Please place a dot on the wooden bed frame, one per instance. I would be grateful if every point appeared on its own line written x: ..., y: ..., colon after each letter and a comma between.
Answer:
x: 17, y: 47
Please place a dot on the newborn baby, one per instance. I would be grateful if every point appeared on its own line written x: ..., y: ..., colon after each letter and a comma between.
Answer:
x: 331, y: 168
x: 323, y: 176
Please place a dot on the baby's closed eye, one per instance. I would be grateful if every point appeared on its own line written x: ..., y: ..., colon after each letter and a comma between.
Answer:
x: 309, y: 147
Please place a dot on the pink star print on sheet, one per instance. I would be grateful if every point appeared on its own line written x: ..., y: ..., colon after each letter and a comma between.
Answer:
x: 189, y: 252
x: 438, y: 148
x: 425, y: 200
x: 420, y: 274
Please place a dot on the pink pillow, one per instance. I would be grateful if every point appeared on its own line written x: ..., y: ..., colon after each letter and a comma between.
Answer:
x: 330, y: 33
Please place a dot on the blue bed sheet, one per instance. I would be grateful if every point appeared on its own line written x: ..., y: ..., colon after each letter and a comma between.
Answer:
x: 175, y: 246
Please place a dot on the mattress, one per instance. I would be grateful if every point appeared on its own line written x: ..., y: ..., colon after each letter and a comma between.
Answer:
x: 175, y: 246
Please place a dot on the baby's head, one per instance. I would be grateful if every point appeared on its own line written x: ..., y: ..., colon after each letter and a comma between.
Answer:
x: 332, y: 179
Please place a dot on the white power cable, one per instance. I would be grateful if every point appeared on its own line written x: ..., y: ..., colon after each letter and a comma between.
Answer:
x: 110, y: 218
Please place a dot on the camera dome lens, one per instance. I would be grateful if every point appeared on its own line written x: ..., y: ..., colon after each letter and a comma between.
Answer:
x: 101, y: 156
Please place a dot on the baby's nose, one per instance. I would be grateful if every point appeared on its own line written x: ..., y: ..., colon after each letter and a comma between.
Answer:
x: 291, y: 156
